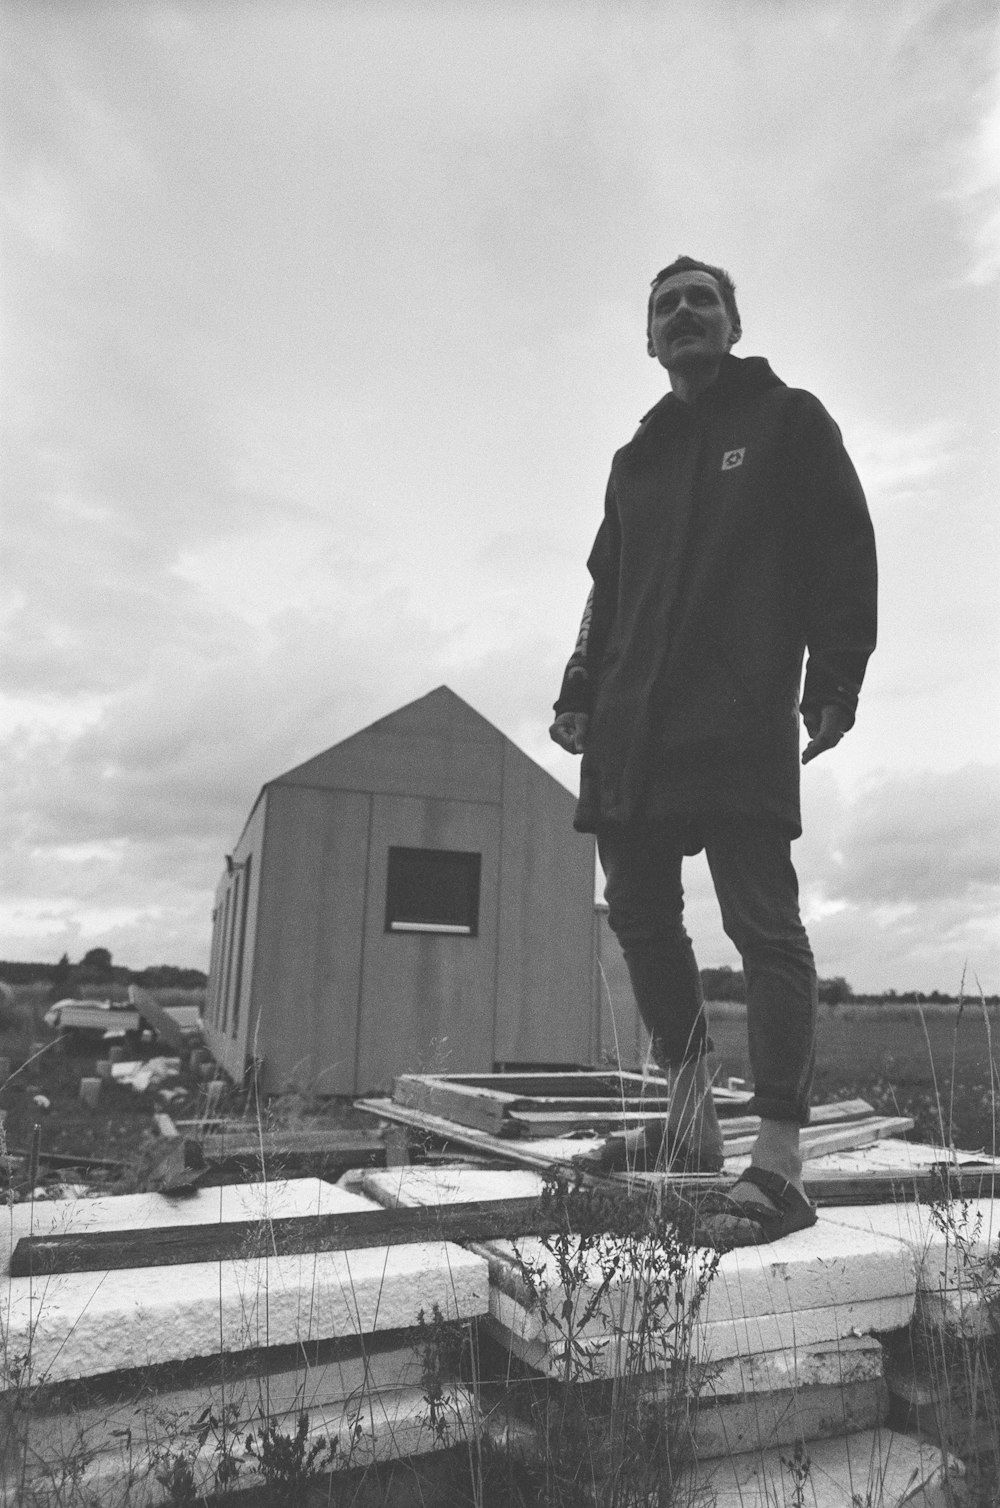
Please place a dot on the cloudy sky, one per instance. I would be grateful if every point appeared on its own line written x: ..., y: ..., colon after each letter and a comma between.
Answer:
x: 321, y: 324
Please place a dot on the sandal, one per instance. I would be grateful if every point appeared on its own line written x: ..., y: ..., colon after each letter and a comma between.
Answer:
x: 735, y: 1222
x: 651, y: 1149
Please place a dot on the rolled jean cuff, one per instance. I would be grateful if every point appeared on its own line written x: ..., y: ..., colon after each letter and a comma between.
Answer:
x: 771, y: 1109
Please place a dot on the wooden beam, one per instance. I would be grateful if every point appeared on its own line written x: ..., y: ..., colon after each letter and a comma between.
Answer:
x: 476, y: 1221
x: 482, y: 1109
x: 249, y: 1143
x: 817, y: 1141
x: 534, y: 1120
x: 166, y: 1027
x: 943, y: 1181
x: 171, y: 1245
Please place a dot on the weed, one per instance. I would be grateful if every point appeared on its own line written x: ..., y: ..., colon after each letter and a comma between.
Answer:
x: 798, y: 1466
x: 618, y: 1293
x: 290, y: 1463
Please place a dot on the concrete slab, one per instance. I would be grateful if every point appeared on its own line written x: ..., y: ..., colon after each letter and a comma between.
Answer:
x: 82, y: 1324
x: 875, y: 1469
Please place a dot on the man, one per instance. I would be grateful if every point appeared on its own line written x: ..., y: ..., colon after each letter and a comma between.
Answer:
x: 735, y: 538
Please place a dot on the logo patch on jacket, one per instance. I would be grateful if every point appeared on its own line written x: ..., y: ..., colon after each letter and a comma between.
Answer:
x: 733, y: 458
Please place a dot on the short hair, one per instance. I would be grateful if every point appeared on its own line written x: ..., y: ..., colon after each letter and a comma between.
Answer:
x: 689, y: 264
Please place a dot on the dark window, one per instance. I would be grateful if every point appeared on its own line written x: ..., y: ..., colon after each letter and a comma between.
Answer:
x: 432, y: 890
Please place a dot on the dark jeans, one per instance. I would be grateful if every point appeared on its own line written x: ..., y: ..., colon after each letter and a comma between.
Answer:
x: 758, y: 896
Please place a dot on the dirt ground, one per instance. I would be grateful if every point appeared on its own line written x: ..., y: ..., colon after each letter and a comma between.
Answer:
x: 120, y: 1129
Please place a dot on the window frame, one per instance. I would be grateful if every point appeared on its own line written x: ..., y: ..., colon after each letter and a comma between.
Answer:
x: 401, y: 925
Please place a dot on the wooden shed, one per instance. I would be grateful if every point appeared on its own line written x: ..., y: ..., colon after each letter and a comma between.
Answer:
x: 413, y: 898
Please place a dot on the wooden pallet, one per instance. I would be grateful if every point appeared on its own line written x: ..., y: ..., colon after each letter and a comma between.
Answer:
x: 545, y: 1104
x: 963, y: 1175
x: 860, y: 1128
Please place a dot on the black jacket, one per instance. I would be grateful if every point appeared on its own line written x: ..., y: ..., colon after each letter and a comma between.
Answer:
x: 735, y: 536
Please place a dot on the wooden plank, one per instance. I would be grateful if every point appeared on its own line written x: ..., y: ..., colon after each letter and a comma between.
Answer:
x: 532, y: 1123
x: 161, y: 1021
x: 70, y: 1160
x: 569, y: 1084
x: 836, y: 1111
x: 485, y: 1110
x: 605, y: 1103
x: 830, y: 1188
x: 92, y: 1019
x: 277, y: 1143
x: 535, y: 1122
x: 817, y: 1141
x: 171, y: 1245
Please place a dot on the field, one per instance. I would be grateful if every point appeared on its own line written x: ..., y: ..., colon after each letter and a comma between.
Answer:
x: 937, y: 1063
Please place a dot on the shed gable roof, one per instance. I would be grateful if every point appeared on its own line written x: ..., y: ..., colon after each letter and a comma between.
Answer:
x: 435, y: 746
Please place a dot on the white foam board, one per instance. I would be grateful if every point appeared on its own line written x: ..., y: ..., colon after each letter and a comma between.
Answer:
x: 82, y: 1324
x: 543, y: 1344
x: 831, y: 1266
x: 109, y: 1212
x: 385, y: 1427
x: 880, y: 1467
x: 950, y: 1245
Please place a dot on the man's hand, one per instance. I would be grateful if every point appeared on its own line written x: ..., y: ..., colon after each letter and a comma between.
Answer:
x: 825, y: 731
x: 569, y: 731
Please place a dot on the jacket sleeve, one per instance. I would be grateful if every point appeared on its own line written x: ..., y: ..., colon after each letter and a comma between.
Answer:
x: 579, y: 681
x: 835, y: 561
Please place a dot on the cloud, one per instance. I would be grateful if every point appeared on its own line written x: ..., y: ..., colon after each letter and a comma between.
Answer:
x: 317, y: 386
x: 979, y: 189
x: 906, y: 888
x: 898, y: 464
x: 923, y: 837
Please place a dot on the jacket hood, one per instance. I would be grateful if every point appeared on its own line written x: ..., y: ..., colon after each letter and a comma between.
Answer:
x: 739, y: 377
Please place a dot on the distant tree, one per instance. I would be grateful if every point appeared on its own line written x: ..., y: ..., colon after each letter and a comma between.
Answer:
x: 166, y: 976
x: 95, y: 967
x: 835, y: 991
x: 723, y: 983
x: 97, y: 958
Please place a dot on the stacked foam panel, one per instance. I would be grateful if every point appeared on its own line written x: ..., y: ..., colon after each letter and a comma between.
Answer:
x: 780, y: 1347
x: 120, y: 1378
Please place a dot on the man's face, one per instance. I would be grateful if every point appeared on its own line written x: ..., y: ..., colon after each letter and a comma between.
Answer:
x: 689, y: 323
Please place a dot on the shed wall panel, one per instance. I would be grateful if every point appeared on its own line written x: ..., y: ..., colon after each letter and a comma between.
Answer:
x: 307, y: 972
x: 226, y: 1030
x: 428, y: 1000
x: 545, y: 991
